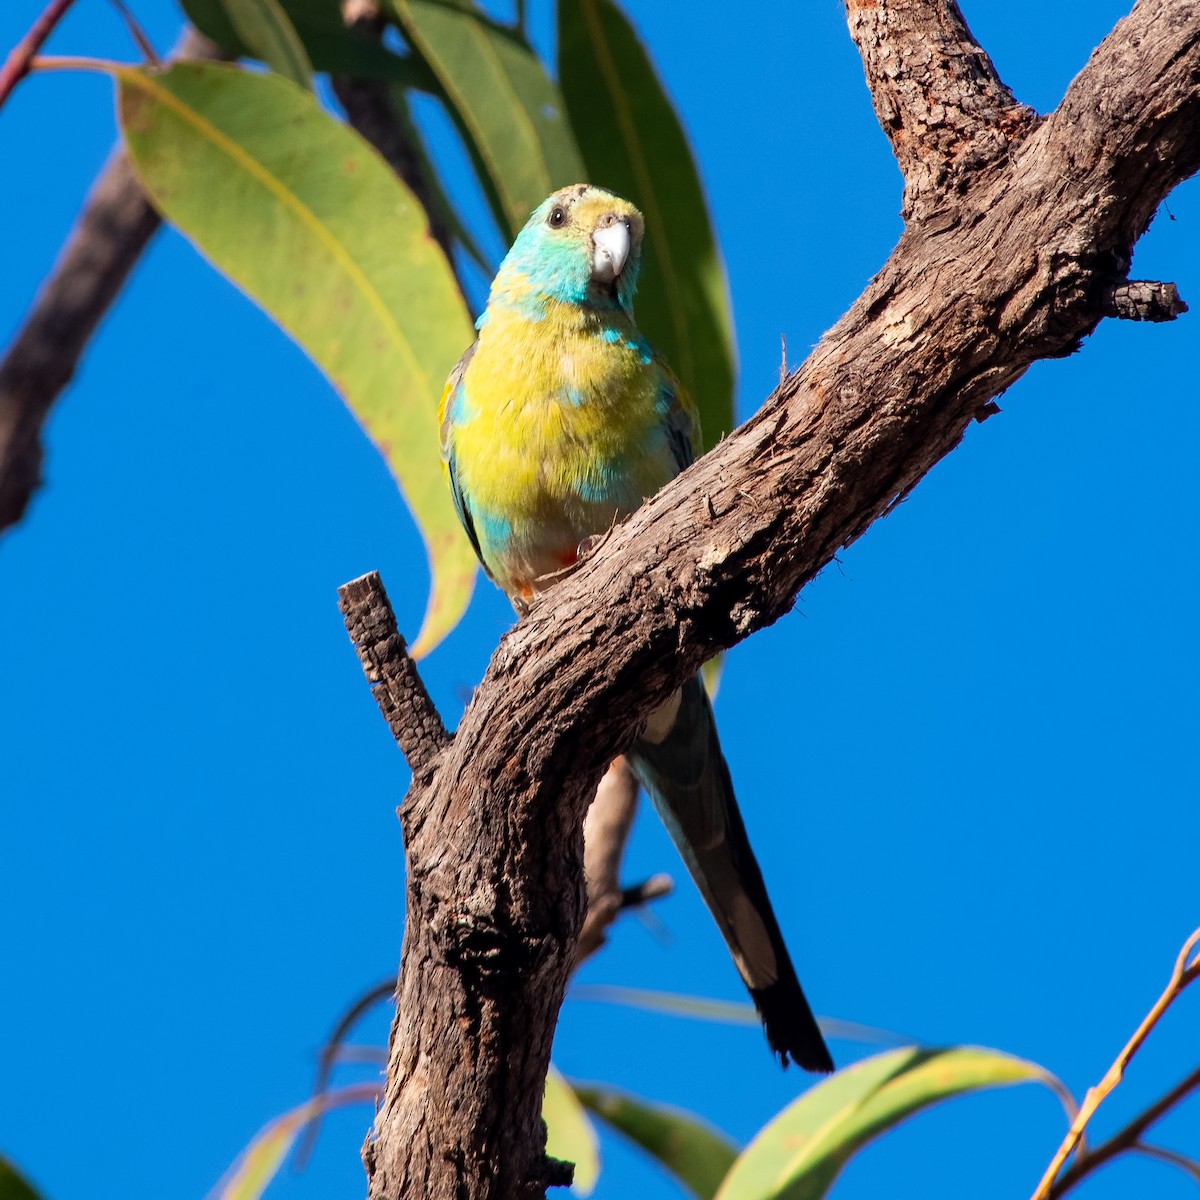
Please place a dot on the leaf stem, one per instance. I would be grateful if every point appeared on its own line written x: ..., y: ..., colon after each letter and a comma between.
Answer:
x: 74, y: 62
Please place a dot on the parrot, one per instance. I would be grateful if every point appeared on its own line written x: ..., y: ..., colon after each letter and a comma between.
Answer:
x: 558, y: 421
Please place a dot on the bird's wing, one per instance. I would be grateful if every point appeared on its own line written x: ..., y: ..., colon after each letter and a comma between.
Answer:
x: 448, y: 412
x: 682, y: 420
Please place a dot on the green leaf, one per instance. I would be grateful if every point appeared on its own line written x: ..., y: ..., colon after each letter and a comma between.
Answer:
x: 510, y: 113
x: 436, y: 194
x: 633, y: 143
x: 12, y: 1185
x: 328, y: 44
x: 570, y: 1135
x: 800, y: 1153
x: 271, y: 37
x: 258, y: 1164
x: 702, y: 1009
x: 698, y: 1155
x: 310, y: 222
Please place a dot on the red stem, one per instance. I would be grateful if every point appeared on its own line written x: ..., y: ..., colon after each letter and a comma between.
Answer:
x: 16, y: 67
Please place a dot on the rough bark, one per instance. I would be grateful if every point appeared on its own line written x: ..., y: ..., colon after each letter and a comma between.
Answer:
x: 1018, y: 234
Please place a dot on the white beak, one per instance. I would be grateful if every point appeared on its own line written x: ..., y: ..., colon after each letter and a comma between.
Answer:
x: 611, y: 251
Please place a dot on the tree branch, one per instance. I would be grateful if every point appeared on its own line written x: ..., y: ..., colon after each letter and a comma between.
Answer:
x: 937, y: 96
x: 606, y: 830
x: 112, y: 231
x: 391, y: 672
x: 1015, y: 268
x: 1144, y: 300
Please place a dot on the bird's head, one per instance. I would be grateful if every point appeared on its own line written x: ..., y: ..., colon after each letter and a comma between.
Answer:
x: 582, y: 245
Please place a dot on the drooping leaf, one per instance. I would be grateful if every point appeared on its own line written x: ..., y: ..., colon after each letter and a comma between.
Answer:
x: 13, y: 1185
x: 509, y: 111
x: 322, y: 31
x: 258, y: 1164
x: 308, y: 220
x: 799, y: 1154
x: 701, y: 1008
x: 265, y: 28
x: 570, y: 1134
x: 632, y: 142
x: 698, y: 1155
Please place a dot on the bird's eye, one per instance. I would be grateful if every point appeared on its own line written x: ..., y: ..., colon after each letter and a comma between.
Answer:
x: 557, y: 218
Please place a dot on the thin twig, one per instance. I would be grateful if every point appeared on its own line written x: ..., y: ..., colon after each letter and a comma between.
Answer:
x: 1189, y: 1165
x: 1183, y: 974
x: 330, y: 1053
x: 1128, y: 1138
x: 16, y: 66
x: 139, y: 35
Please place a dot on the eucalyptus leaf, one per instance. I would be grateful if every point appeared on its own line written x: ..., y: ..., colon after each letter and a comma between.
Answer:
x: 13, y: 1185
x: 509, y: 111
x: 732, y: 1012
x: 328, y: 44
x: 570, y: 1134
x: 259, y: 1163
x: 633, y: 143
x: 308, y: 220
x: 266, y: 29
x: 698, y: 1155
x: 799, y: 1154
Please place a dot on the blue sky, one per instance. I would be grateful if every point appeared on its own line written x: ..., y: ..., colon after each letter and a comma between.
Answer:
x: 967, y: 759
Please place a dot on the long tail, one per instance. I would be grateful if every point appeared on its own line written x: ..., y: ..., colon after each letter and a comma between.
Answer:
x: 684, y: 771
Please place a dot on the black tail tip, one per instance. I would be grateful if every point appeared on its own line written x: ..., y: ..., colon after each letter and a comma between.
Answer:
x: 791, y: 1029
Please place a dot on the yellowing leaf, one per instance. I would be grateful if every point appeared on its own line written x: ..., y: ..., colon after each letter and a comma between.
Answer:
x: 633, y: 143
x: 509, y: 111
x: 311, y: 223
x: 799, y: 1154
x: 570, y: 1135
x: 258, y: 1164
